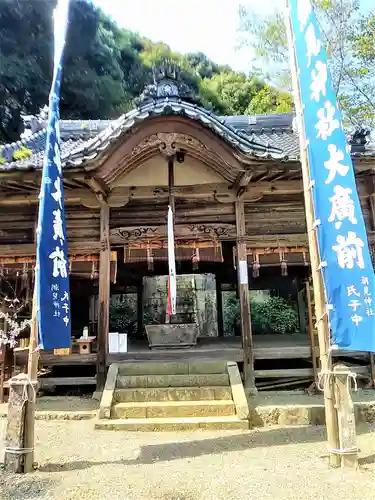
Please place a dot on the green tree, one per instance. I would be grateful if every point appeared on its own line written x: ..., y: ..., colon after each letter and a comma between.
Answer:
x: 105, y: 68
x: 349, y: 39
x: 237, y: 94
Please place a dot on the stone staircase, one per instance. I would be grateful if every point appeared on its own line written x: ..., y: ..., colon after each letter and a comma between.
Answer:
x: 173, y: 396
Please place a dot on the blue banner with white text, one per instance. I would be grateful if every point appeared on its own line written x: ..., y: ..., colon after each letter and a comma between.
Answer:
x: 345, y: 258
x: 52, y: 270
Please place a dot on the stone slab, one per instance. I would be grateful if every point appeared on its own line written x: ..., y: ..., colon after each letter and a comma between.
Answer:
x: 173, y: 424
x: 172, y: 394
x: 174, y: 409
x: 153, y: 368
x: 109, y: 389
x: 199, y: 368
x: 238, y: 392
x: 219, y: 379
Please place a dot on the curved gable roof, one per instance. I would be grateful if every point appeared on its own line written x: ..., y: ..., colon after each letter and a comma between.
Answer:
x: 88, y: 140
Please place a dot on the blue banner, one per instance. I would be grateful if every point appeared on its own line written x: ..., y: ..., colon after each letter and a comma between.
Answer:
x: 52, y: 269
x: 345, y: 258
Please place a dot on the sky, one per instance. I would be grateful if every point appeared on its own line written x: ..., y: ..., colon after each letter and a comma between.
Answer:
x: 208, y: 26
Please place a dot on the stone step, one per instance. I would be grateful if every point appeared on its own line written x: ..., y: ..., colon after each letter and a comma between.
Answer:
x: 170, y: 368
x: 148, y: 381
x: 173, y: 424
x: 172, y: 394
x: 171, y: 409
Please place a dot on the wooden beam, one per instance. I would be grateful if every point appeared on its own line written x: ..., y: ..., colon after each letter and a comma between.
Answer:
x: 97, y: 185
x: 104, y: 295
x: 28, y: 249
x: 243, y: 291
x: 72, y: 196
x: 217, y: 190
x: 284, y: 373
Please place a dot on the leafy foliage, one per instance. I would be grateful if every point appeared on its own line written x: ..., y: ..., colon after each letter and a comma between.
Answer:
x: 105, y: 68
x: 350, y: 42
x: 274, y: 315
x: 22, y: 153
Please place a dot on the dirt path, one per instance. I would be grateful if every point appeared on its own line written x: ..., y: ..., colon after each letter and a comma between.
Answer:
x: 77, y: 462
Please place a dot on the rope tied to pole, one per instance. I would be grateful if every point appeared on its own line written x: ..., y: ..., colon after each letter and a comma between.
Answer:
x: 326, y: 377
x: 28, y: 395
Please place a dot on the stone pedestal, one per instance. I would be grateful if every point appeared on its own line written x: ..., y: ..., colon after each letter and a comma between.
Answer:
x: 171, y: 336
x: 20, y: 391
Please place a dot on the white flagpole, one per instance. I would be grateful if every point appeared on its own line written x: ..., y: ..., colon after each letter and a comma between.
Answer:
x: 172, y: 285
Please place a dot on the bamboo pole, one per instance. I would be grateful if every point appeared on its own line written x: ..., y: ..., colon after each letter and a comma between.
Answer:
x: 372, y: 362
x: 32, y: 374
x: 311, y: 332
x: 319, y: 292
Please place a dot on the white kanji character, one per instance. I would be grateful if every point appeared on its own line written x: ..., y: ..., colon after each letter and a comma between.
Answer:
x: 56, y: 305
x: 59, y: 263
x: 352, y: 291
x: 66, y: 320
x: 368, y: 300
x: 57, y: 158
x: 47, y: 180
x: 55, y: 287
x: 369, y: 312
x: 57, y: 194
x: 319, y: 77
x: 313, y: 45
x: 342, y: 206
x: 356, y: 319
x: 333, y: 164
x: 56, y: 313
x: 55, y: 296
x: 364, y: 280
x: 57, y: 131
x: 304, y: 10
x: 327, y: 124
x: 349, y: 251
x: 65, y: 297
x: 354, y: 304
x: 66, y: 308
x: 58, y: 230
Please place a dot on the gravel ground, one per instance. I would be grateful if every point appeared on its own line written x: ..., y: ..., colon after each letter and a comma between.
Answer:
x: 77, y: 462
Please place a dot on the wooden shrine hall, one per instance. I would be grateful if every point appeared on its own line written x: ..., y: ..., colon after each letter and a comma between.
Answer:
x: 242, y: 260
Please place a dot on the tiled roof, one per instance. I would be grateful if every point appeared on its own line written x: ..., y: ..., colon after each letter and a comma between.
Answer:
x: 262, y: 136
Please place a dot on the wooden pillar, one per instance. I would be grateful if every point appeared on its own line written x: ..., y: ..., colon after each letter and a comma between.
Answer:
x: 310, y: 326
x: 243, y: 293
x: 104, y: 295
x: 140, y: 325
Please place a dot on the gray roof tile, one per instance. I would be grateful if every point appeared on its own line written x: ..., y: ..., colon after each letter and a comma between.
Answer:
x: 263, y: 136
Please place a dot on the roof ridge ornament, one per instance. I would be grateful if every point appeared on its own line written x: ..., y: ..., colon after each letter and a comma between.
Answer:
x: 166, y: 84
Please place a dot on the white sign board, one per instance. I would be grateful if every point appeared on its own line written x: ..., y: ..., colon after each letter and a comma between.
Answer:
x: 242, y: 267
x: 113, y: 342
x: 123, y: 342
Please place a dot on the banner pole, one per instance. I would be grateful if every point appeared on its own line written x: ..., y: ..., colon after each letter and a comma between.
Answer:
x: 319, y: 292
x: 32, y: 374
